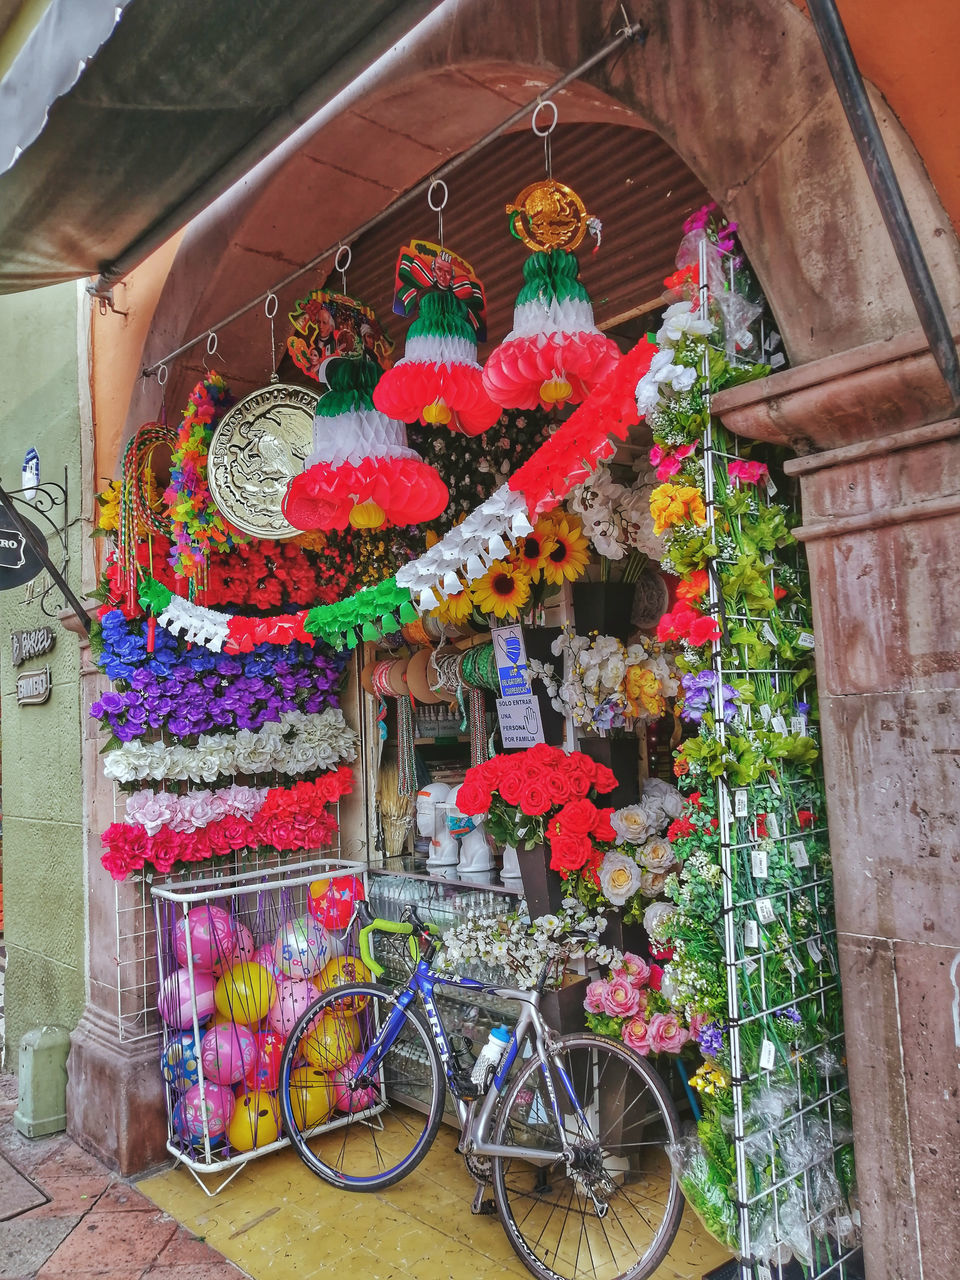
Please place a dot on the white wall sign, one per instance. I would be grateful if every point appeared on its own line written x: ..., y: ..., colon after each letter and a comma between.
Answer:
x: 520, y: 723
x: 510, y: 655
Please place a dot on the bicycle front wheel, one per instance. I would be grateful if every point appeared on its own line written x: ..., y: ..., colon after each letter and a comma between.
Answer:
x: 361, y: 1127
x: 612, y: 1212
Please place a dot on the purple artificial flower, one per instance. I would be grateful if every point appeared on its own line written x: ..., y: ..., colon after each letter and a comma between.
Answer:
x: 790, y: 1015
x: 710, y: 1039
x: 698, y: 689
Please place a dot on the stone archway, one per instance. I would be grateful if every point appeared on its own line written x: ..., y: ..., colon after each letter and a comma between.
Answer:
x: 742, y: 94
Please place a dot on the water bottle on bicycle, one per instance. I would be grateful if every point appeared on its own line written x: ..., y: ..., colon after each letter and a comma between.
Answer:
x: 569, y: 1131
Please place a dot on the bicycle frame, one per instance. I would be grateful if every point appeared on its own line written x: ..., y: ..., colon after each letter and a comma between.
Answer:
x: 476, y: 1123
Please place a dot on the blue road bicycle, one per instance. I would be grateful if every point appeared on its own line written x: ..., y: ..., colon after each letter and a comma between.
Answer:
x: 569, y: 1131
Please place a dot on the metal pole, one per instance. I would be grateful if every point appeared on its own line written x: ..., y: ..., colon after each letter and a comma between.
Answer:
x: 876, y: 159
x: 632, y: 31
x: 39, y: 547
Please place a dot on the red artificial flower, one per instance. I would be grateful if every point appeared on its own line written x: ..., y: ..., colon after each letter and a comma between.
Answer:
x: 761, y: 821
x: 694, y: 798
x: 806, y: 818
x: 704, y: 630
x: 778, y: 591
x: 575, y: 818
x: 569, y: 853
x: 655, y: 979
x: 681, y: 766
x: 679, y: 828
x: 603, y: 829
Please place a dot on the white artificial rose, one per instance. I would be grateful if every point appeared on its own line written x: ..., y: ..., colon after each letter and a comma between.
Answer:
x: 657, y: 855
x: 620, y: 878
x: 631, y: 824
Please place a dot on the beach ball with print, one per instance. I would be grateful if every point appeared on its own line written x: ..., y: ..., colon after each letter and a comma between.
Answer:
x: 213, y: 1104
x: 300, y: 950
x: 179, y: 1061
x: 207, y: 932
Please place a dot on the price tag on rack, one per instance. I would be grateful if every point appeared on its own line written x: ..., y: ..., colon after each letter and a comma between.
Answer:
x: 798, y: 725
x: 768, y: 1055
x: 779, y: 725
x: 765, y: 911
x: 758, y: 862
x: 769, y: 634
x: 765, y: 713
x: 805, y: 640
x: 813, y: 950
x: 740, y: 804
x: 773, y: 826
x: 751, y: 934
x: 798, y: 851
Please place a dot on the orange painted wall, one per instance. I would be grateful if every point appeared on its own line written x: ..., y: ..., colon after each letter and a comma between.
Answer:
x: 909, y: 51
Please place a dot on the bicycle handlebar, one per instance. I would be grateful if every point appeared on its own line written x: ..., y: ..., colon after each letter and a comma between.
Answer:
x: 418, y: 931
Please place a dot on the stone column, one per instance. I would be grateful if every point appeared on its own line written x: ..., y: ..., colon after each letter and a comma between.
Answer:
x: 880, y: 483
x: 115, y: 1103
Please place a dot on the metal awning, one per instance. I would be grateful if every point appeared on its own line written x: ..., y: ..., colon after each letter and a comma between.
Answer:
x: 120, y: 121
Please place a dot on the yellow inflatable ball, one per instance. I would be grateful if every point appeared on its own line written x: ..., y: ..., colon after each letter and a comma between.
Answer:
x: 337, y: 972
x: 331, y: 1040
x: 245, y: 993
x: 311, y: 1096
x: 256, y: 1121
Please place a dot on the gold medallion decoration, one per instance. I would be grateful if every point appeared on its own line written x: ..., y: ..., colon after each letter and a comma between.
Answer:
x: 256, y: 450
x: 548, y: 215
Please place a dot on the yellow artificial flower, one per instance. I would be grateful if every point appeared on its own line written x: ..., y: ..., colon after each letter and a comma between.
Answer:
x: 643, y: 690
x: 504, y: 589
x: 671, y: 503
x: 568, y: 559
x: 531, y: 552
x: 710, y: 1078
x: 455, y: 610
x: 109, y: 516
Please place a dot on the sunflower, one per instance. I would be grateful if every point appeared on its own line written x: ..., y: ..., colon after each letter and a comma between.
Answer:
x: 531, y: 552
x: 568, y: 559
x: 455, y: 610
x: 504, y: 589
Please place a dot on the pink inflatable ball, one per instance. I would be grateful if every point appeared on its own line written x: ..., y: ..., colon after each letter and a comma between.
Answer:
x: 345, y: 1098
x: 294, y: 997
x: 301, y: 947
x: 264, y: 956
x: 245, y: 947
x: 227, y: 1052
x: 179, y: 1121
x: 265, y: 1072
x: 175, y: 1003
x: 211, y: 933
x: 215, y: 1108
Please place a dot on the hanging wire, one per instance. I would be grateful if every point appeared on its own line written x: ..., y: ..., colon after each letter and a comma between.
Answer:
x: 635, y: 31
x: 438, y: 208
x: 545, y: 133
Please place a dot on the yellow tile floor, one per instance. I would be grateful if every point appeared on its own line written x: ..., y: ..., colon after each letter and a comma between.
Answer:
x: 277, y: 1220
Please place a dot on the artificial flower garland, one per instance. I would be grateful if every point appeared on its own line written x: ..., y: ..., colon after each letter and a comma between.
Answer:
x: 289, y: 819
x: 293, y: 744
x: 197, y: 525
x: 165, y: 810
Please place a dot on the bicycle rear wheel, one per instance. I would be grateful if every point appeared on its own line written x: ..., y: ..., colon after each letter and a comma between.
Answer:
x: 361, y: 1131
x: 613, y: 1212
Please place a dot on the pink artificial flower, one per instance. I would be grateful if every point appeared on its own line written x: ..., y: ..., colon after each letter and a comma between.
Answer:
x: 670, y: 466
x: 593, y: 1000
x: 636, y: 1036
x: 657, y: 455
x: 620, y: 998
x: 748, y: 472
x: 697, y: 1022
x: 666, y: 1033
x: 634, y: 969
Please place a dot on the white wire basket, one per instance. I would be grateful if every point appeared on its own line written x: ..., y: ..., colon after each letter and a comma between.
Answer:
x: 226, y: 947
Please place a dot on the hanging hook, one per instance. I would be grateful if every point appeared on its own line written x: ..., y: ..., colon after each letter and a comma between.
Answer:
x: 544, y: 133
x: 438, y: 208
x: 270, y: 306
x: 212, y: 343
x: 344, y: 266
x: 163, y: 373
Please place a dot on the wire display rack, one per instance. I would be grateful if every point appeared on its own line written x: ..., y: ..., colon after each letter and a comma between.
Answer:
x: 790, y: 1123
x: 263, y: 902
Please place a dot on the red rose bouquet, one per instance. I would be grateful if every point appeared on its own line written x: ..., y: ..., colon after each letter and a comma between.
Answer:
x: 542, y: 795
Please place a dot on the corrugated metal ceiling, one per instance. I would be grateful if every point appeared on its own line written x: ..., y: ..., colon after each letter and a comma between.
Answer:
x: 628, y: 177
